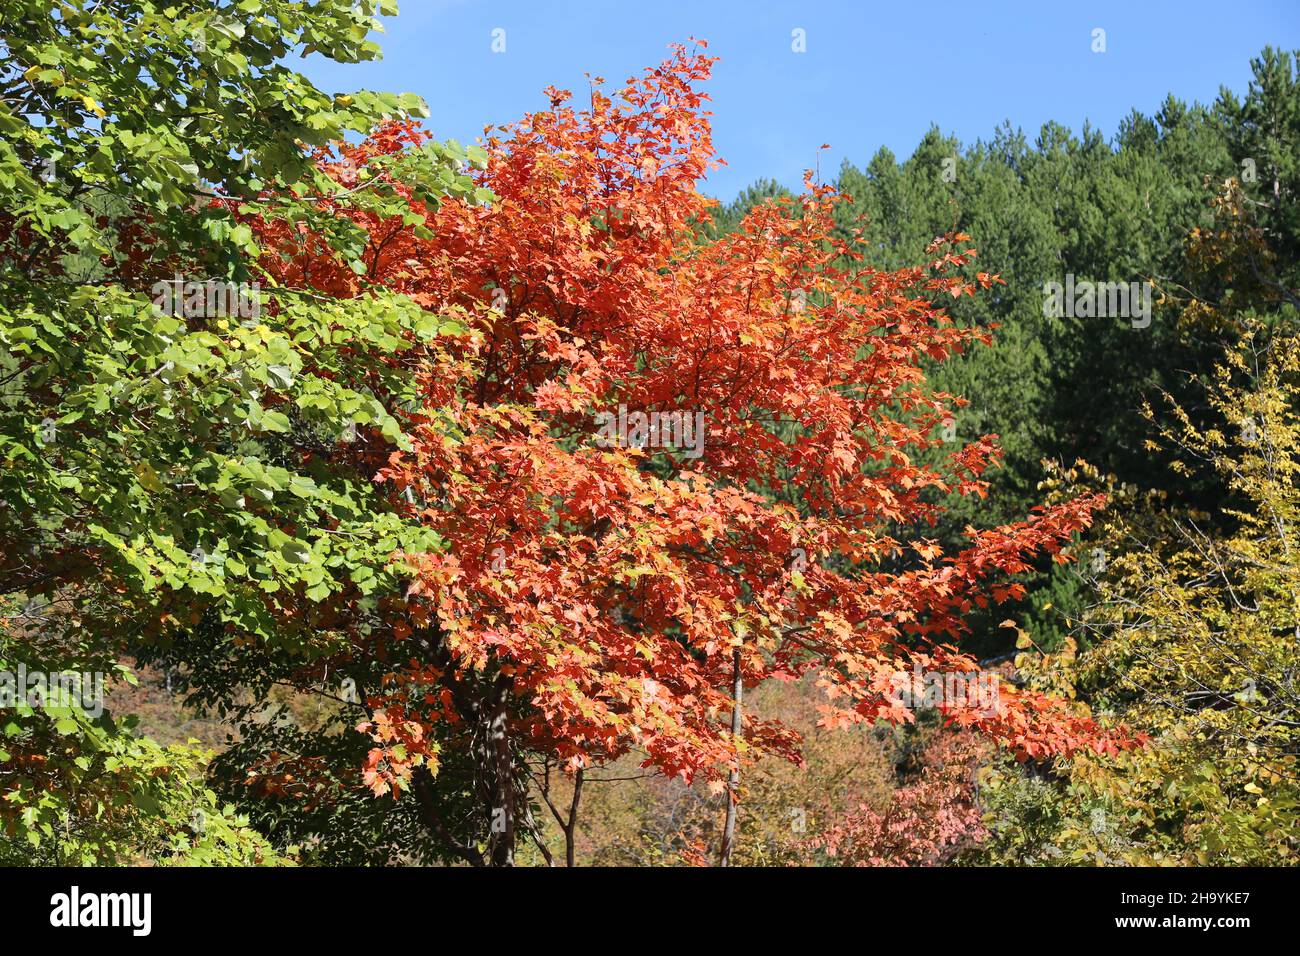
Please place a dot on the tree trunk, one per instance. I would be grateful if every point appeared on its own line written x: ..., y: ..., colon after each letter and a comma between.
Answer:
x: 570, y: 829
x: 497, y: 786
x: 733, y: 779
x: 501, y: 796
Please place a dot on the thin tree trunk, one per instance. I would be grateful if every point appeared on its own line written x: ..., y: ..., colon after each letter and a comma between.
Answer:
x: 568, y: 823
x: 571, y: 827
x: 733, y: 779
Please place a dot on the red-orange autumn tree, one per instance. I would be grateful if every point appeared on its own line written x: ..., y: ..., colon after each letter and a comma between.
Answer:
x: 614, y: 583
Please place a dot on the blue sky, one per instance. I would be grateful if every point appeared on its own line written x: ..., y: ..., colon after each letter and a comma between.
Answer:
x: 874, y: 73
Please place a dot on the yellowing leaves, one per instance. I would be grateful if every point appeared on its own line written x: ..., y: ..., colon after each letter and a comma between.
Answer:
x: 148, y: 477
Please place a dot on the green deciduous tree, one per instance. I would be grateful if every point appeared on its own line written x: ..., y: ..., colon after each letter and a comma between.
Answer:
x: 184, y: 444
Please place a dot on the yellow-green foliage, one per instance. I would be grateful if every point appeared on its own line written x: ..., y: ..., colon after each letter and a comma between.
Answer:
x: 1196, y: 633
